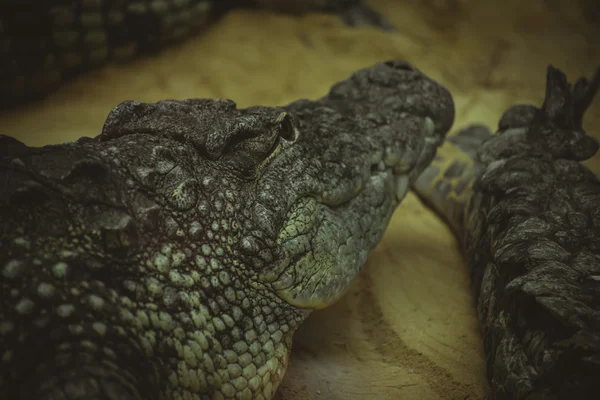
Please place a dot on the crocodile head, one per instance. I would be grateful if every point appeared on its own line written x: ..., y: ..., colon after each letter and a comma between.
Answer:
x: 314, y: 183
x: 188, y: 241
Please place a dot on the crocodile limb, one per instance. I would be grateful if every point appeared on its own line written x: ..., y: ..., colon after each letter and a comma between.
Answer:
x: 527, y: 216
x: 174, y: 255
x: 44, y: 42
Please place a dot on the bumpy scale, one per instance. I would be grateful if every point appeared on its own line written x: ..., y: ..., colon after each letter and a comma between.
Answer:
x: 527, y: 215
x: 174, y: 255
x: 44, y: 42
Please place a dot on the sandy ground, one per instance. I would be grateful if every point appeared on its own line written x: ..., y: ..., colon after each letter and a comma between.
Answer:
x: 406, y: 329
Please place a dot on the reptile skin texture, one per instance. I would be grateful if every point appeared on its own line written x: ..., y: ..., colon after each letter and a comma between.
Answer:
x: 527, y: 216
x: 174, y: 255
x: 43, y: 43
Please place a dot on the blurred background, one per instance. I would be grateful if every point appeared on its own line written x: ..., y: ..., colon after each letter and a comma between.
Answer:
x: 407, y: 327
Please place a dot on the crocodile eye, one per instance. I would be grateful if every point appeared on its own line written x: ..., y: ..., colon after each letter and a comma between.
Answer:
x: 254, y: 139
x: 287, y: 130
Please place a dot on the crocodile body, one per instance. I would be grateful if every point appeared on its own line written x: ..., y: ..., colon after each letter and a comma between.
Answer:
x: 42, y: 43
x: 527, y: 216
x: 174, y: 255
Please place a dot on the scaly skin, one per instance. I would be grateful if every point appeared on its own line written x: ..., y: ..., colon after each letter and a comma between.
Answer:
x: 44, y: 42
x: 527, y: 216
x: 174, y: 255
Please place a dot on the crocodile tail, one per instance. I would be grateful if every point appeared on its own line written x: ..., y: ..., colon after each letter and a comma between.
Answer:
x: 446, y: 185
x: 556, y: 128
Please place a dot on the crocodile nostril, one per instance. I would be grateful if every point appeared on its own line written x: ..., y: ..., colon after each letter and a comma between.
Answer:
x: 401, y: 65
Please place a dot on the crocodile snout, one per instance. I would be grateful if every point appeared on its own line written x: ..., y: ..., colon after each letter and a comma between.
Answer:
x: 357, y: 152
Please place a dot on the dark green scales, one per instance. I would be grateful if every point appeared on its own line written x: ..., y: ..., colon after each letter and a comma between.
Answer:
x: 174, y: 255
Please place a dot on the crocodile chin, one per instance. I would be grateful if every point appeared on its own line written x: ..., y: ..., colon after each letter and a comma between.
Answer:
x: 321, y: 234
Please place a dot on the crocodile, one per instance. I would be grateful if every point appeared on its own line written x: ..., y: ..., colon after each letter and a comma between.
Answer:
x: 43, y: 43
x: 526, y: 214
x: 174, y: 255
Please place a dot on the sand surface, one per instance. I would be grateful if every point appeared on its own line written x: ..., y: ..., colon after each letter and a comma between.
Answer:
x: 407, y: 328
